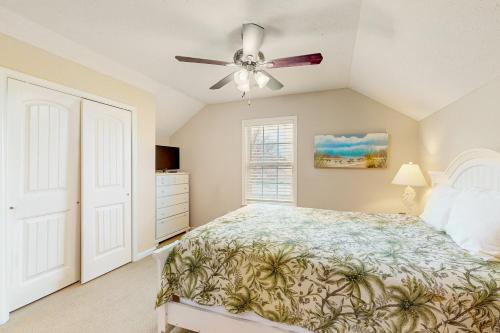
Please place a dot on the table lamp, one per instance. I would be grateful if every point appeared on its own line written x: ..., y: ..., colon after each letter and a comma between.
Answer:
x: 409, y: 175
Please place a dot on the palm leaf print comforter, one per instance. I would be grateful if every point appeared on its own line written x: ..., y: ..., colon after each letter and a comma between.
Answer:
x: 330, y: 271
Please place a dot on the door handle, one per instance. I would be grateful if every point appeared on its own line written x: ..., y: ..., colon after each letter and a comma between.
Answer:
x: 11, y: 207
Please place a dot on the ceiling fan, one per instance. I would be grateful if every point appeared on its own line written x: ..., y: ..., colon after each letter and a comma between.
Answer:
x: 253, y: 63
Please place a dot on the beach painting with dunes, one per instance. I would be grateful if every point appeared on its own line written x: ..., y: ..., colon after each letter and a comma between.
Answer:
x: 360, y: 151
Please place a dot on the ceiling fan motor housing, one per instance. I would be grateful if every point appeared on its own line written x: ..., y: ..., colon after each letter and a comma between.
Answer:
x: 249, y: 63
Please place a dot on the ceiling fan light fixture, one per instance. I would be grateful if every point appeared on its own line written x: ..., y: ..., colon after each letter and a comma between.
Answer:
x: 241, y: 77
x: 251, y: 63
x: 261, y: 79
x: 244, y: 87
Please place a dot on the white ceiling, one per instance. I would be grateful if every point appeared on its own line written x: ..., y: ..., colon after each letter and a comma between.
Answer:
x: 416, y: 56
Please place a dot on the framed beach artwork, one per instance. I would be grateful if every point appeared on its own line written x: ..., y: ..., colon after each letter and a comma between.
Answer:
x: 360, y: 151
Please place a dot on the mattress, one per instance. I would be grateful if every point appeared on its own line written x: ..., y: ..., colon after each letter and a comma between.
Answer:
x: 329, y: 271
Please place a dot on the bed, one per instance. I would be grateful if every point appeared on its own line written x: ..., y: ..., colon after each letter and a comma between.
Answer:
x: 265, y: 268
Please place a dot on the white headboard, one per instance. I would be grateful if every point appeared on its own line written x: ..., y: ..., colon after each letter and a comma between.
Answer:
x: 475, y: 168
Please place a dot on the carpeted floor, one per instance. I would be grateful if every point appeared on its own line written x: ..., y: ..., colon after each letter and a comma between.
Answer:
x: 121, y: 301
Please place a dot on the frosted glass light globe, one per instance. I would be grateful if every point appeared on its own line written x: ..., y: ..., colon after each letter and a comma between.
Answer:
x: 244, y: 87
x: 241, y: 77
x: 261, y: 79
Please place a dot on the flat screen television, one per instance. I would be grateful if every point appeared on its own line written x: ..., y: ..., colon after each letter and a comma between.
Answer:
x: 167, y: 158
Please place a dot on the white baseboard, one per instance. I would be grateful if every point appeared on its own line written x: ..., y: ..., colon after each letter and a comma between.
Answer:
x: 143, y: 254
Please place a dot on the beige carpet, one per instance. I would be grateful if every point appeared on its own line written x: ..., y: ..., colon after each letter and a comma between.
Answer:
x: 121, y: 301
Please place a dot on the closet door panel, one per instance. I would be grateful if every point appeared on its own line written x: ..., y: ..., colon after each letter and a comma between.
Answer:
x: 43, y: 157
x: 106, y: 188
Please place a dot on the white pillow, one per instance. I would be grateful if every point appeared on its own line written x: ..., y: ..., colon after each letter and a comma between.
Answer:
x: 474, y: 222
x: 438, y: 206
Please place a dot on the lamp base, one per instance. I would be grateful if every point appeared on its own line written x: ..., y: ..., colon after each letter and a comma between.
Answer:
x: 409, y: 199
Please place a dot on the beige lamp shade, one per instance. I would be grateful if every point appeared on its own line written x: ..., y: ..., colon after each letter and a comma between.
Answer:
x: 409, y: 175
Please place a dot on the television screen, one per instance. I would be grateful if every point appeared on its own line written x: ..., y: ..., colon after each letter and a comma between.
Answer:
x: 167, y: 158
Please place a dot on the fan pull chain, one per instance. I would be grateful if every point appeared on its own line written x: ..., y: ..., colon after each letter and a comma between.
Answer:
x: 245, y: 94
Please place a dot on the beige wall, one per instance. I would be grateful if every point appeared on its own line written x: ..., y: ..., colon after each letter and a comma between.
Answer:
x: 30, y: 60
x: 471, y: 122
x: 163, y: 140
x: 211, y: 151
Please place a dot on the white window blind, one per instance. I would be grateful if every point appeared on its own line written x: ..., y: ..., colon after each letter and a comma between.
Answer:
x: 269, y: 160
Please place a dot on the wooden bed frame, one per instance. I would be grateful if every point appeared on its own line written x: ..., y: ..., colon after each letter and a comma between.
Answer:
x: 477, y: 168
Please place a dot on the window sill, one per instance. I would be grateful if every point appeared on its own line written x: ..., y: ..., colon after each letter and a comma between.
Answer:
x: 270, y: 202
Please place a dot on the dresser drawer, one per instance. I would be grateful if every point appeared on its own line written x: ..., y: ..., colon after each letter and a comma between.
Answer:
x: 172, y: 210
x: 164, y: 180
x: 172, y: 224
x: 172, y: 200
x: 172, y: 179
x: 181, y: 179
x: 163, y: 191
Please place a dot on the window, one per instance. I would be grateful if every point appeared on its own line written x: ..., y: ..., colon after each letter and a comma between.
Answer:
x: 269, y: 160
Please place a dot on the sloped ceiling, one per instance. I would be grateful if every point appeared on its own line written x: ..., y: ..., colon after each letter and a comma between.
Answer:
x: 416, y: 56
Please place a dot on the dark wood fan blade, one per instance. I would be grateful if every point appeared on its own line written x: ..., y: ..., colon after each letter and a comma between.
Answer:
x: 273, y: 84
x: 223, y: 82
x: 302, y: 60
x: 204, y: 61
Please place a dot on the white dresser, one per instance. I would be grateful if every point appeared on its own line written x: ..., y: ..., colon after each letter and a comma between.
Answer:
x: 172, y: 204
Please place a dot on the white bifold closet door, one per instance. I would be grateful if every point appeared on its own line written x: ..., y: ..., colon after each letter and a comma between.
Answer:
x: 43, y: 190
x: 106, y: 189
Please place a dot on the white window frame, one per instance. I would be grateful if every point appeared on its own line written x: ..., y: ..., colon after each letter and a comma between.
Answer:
x: 244, y: 154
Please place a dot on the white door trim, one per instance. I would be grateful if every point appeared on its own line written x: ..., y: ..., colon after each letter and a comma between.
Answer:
x: 4, y: 241
x: 4, y: 308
